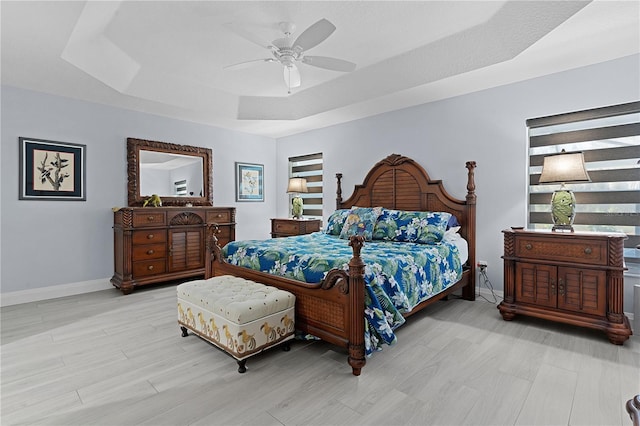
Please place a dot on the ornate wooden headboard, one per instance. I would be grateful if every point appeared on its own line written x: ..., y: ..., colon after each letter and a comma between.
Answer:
x: 398, y: 182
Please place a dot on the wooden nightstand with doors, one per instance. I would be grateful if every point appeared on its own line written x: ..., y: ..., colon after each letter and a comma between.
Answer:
x: 291, y: 227
x: 570, y: 277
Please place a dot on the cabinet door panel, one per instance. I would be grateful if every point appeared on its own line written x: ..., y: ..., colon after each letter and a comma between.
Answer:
x: 536, y: 284
x: 582, y: 290
x: 186, y: 250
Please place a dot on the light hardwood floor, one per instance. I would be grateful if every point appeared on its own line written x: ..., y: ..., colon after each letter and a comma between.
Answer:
x: 107, y: 359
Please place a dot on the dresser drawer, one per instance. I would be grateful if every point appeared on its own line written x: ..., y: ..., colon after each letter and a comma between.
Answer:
x: 286, y: 227
x: 569, y: 250
x: 219, y: 216
x: 149, y: 267
x: 148, y: 218
x: 149, y: 251
x: 150, y: 236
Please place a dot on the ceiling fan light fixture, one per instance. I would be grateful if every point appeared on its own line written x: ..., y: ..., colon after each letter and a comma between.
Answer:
x: 288, y: 53
x: 287, y: 28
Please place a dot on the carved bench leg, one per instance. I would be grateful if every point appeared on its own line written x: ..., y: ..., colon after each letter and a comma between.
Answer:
x: 242, y: 366
x: 185, y: 333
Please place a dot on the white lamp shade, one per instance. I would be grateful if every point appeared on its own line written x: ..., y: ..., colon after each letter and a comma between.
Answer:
x: 297, y: 185
x: 564, y: 167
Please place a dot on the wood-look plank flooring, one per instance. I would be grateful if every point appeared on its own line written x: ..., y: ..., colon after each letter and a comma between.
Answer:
x: 107, y: 359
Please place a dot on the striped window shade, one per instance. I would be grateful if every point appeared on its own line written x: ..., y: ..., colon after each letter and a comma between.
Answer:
x: 309, y: 167
x: 609, y: 139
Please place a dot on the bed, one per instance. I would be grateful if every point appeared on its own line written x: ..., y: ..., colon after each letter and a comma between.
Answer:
x: 334, y: 305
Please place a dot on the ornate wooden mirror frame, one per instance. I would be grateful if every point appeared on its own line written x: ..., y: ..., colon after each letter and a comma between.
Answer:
x: 136, y: 199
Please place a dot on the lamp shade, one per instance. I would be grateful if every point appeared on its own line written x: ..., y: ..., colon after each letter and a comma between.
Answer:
x: 564, y: 167
x: 297, y: 185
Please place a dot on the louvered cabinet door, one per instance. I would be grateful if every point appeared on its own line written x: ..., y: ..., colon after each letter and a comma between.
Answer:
x: 186, y: 249
x: 582, y: 290
x: 536, y: 284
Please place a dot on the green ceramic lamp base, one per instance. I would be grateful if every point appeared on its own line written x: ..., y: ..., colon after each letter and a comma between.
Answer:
x: 563, y: 210
x: 297, y: 207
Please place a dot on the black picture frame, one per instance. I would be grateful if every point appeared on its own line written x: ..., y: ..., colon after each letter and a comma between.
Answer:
x: 249, y: 182
x: 51, y: 170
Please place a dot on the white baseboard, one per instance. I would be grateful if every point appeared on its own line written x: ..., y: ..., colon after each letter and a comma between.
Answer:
x: 53, y: 292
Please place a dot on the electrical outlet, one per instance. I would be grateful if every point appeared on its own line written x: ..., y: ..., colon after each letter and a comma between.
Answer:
x: 482, y: 264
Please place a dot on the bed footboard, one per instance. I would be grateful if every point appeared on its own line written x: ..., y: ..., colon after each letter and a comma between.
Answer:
x: 332, y: 309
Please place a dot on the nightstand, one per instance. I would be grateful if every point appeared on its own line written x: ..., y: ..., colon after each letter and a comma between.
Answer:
x: 291, y: 227
x: 570, y: 277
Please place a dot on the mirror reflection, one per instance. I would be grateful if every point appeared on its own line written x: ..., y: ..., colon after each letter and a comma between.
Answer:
x: 170, y: 175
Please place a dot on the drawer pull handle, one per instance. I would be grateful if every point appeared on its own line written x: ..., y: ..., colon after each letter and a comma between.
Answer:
x: 149, y: 218
x: 219, y: 215
x: 587, y: 250
x: 150, y: 252
x: 150, y: 267
x: 150, y: 236
x: 528, y: 246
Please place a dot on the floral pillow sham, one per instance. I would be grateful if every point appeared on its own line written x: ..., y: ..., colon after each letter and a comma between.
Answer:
x: 413, y: 227
x: 360, y: 221
x: 336, y: 222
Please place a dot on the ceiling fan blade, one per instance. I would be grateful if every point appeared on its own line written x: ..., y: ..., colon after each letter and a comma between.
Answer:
x: 247, y: 64
x: 247, y: 35
x: 314, y: 35
x: 333, y: 64
x: 292, y: 76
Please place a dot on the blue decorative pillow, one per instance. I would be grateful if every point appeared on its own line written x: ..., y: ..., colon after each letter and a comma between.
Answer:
x: 453, y: 222
x: 360, y: 221
x: 336, y: 222
x: 387, y: 225
x: 413, y: 227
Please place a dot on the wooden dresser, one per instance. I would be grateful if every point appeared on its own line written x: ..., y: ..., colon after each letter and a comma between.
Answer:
x: 156, y: 244
x: 291, y: 227
x: 574, y: 278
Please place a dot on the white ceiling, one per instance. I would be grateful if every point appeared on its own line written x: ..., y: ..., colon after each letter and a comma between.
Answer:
x: 167, y: 57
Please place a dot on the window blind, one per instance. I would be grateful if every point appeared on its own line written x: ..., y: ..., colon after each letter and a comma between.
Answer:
x: 609, y: 138
x: 310, y: 168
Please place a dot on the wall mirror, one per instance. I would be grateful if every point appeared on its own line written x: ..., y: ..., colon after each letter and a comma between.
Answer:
x: 179, y: 174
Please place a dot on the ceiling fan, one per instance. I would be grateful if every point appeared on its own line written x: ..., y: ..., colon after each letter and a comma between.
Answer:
x: 288, y: 51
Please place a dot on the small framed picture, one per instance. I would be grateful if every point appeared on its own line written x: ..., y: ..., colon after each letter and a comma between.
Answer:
x: 249, y: 182
x: 52, y: 170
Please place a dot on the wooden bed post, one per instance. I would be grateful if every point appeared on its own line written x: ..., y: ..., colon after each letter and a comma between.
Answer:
x: 339, y: 191
x: 357, y: 358
x: 469, y: 291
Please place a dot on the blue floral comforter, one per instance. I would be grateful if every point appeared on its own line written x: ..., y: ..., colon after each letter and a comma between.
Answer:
x: 398, y: 276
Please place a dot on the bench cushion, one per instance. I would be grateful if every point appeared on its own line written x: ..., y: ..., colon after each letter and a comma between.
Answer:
x: 239, y: 316
x: 236, y: 299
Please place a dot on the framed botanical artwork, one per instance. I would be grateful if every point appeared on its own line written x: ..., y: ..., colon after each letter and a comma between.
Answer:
x: 52, y: 170
x: 249, y: 182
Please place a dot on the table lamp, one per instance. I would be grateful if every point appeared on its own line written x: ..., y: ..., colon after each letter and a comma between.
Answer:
x: 565, y: 167
x: 297, y: 186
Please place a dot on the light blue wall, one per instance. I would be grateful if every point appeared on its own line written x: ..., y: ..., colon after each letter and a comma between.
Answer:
x: 50, y: 243
x: 486, y: 126
x: 47, y: 243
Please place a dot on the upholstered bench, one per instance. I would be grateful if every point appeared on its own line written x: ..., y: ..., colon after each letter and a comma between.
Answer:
x: 241, y: 317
